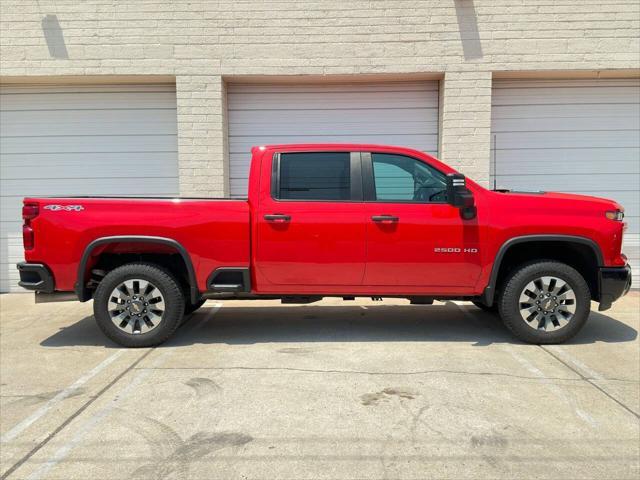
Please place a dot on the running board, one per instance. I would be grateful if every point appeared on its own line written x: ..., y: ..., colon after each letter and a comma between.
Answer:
x: 229, y: 280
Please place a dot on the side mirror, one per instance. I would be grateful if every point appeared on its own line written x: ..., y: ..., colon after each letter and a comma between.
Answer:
x: 458, y: 195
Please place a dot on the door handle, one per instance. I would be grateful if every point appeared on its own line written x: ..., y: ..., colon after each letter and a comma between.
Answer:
x: 277, y: 218
x: 385, y: 218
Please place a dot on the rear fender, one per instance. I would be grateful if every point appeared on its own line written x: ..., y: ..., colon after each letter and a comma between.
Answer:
x: 84, y: 293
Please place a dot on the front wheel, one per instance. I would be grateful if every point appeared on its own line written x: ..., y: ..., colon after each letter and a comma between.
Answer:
x: 138, y: 305
x: 545, y: 302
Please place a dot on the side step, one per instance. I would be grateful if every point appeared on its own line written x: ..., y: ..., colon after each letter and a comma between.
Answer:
x: 229, y: 279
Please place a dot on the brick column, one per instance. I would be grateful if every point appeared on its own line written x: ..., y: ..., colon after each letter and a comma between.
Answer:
x: 202, y: 137
x: 465, y: 123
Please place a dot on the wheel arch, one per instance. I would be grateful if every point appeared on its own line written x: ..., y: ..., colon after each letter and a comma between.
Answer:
x: 568, y: 241
x: 84, y: 293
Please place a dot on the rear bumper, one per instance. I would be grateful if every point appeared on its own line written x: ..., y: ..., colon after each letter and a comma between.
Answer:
x: 35, y: 276
x: 614, y: 282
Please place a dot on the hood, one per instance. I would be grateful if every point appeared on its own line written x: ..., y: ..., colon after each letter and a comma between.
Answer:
x: 556, y: 200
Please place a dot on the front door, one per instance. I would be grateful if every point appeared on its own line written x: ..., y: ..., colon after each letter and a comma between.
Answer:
x: 310, y: 224
x: 415, y: 238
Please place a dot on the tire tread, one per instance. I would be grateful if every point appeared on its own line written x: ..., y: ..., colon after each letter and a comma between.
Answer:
x: 512, y: 289
x: 173, y: 295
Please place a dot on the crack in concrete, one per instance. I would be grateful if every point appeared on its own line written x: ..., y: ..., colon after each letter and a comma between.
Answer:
x: 364, y: 372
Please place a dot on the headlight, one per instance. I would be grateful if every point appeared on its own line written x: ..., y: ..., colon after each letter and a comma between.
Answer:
x: 617, y: 215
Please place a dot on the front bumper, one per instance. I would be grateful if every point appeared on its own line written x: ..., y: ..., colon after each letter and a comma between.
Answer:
x: 35, y: 276
x: 614, y: 282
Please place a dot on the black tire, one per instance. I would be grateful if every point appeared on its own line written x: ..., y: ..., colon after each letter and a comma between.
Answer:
x: 509, y: 302
x: 163, y: 281
x: 489, y: 309
x: 189, y: 307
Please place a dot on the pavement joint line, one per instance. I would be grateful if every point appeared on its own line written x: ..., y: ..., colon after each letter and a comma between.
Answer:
x: 589, y: 381
x: 60, y: 427
x: 47, y: 466
x: 94, y: 420
x: 42, y: 411
x: 553, y: 387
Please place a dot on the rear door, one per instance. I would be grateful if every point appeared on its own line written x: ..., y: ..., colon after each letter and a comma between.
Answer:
x: 310, y: 222
x: 415, y: 238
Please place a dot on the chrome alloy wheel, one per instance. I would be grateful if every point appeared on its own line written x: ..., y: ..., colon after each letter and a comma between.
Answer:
x: 136, y: 306
x: 547, y: 303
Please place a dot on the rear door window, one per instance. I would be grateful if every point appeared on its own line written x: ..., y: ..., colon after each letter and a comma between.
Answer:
x: 314, y: 176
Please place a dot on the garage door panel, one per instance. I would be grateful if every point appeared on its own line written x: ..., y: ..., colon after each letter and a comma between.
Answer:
x: 633, y: 225
x: 88, y: 122
x: 92, y: 186
x: 350, y: 88
x: 420, y: 142
x: 566, y: 111
x: 609, y: 139
x: 89, y: 144
x: 551, y: 95
x: 368, y: 129
x: 77, y: 140
x: 566, y: 124
x: 121, y: 168
x: 75, y: 160
x: 40, y: 102
x: 512, y: 160
x: 319, y: 117
x: 329, y: 101
x: 11, y: 228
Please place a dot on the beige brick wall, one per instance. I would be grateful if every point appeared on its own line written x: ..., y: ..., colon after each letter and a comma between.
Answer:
x: 202, y: 135
x: 465, y: 122
x: 201, y: 42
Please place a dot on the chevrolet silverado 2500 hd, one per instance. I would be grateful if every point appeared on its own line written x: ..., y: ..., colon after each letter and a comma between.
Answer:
x: 339, y: 220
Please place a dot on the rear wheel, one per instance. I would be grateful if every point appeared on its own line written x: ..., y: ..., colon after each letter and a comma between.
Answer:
x: 545, y: 302
x: 138, y: 305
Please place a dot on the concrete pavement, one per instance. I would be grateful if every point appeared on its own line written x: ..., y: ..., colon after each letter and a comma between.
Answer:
x: 332, y: 390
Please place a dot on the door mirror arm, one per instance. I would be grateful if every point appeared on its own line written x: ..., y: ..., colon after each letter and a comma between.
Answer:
x: 459, y: 196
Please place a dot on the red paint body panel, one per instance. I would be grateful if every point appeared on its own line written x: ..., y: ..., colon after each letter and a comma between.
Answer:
x: 328, y: 247
x: 214, y: 232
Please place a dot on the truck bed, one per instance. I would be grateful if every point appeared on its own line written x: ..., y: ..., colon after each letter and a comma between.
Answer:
x: 214, y: 232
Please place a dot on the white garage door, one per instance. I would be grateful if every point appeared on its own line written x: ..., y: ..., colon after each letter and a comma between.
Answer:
x: 387, y: 113
x: 89, y: 140
x: 580, y: 136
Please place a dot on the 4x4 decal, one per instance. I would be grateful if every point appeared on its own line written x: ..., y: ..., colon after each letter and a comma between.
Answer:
x: 66, y: 208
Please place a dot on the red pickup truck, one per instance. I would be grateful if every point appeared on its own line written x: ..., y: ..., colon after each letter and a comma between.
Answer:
x: 337, y: 220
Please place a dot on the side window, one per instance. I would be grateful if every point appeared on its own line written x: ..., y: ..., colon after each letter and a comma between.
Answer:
x: 400, y: 178
x: 315, y: 176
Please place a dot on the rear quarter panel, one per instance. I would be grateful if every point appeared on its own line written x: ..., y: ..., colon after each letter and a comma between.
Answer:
x: 213, y: 232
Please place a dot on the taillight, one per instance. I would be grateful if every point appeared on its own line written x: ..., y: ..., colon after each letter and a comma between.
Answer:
x: 27, y: 237
x: 29, y: 212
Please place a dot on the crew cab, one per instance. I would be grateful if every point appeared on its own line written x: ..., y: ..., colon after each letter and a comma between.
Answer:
x: 339, y: 220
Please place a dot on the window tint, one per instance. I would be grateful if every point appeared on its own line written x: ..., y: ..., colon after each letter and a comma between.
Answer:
x: 315, y: 176
x: 400, y: 178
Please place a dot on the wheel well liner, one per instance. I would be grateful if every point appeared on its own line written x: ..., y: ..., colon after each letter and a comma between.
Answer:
x: 490, y: 289
x: 84, y: 293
